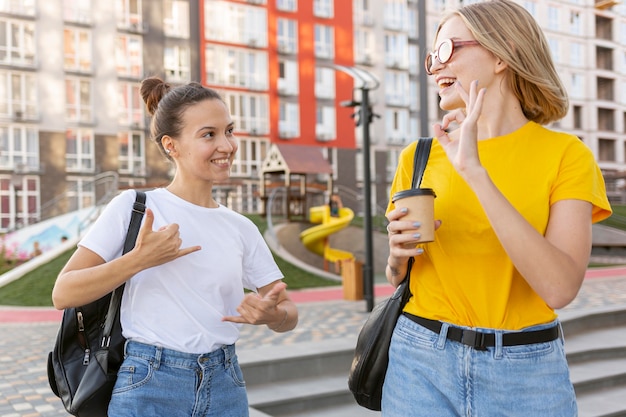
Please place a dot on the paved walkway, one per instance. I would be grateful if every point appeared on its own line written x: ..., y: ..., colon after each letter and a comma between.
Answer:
x: 27, y: 335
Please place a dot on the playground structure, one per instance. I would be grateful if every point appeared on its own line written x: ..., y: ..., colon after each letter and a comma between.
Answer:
x: 316, y: 238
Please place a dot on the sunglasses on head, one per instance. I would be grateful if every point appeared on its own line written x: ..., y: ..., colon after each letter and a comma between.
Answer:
x: 444, y: 52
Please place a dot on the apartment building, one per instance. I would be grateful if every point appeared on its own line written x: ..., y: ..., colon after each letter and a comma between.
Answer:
x: 72, y: 124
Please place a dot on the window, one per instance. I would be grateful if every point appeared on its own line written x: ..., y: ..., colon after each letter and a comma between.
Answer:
x: 177, y: 64
x: 176, y: 18
x: 129, y: 14
x: 77, y: 11
x: 78, y: 100
x: 395, y: 15
x: 606, y: 119
x: 575, y: 23
x: 287, y: 5
x: 19, y: 148
x: 605, y: 88
x: 287, y: 36
x: 396, y: 86
x: 79, y: 152
x: 325, y: 126
x: 250, y: 112
x: 80, y: 193
x: 236, y: 67
x: 364, y: 46
x: 397, y: 126
x: 22, y: 7
x: 606, y: 150
x: 17, y: 42
x: 324, y: 83
x: 19, y: 203
x: 130, y: 105
x: 577, y: 87
x: 77, y: 47
x: 18, y: 96
x: 288, y: 77
x: 249, y: 157
x: 555, y: 48
x: 553, y: 18
x: 531, y: 6
x: 362, y: 13
x: 576, y: 54
x: 323, y: 8
x: 132, y: 153
x: 237, y: 23
x: 129, y: 56
x: 396, y: 50
x: 324, y: 42
x: 288, y: 120
x: 577, y: 116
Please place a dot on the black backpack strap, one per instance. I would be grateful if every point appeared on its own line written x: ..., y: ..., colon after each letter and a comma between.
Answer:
x: 139, y: 208
x: 422, y: 151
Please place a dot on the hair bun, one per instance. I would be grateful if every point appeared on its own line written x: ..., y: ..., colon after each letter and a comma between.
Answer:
x: 152, y: 90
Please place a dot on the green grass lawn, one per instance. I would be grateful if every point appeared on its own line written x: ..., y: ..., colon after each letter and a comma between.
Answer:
x: 35, y: 288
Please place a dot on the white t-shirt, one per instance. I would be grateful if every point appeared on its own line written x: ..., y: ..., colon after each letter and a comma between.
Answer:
x: 179, y: 305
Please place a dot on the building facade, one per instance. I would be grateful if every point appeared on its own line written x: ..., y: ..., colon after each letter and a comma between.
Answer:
x: 73, y: 126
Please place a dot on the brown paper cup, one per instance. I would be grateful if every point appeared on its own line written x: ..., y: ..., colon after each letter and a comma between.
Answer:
x: 420, y: 203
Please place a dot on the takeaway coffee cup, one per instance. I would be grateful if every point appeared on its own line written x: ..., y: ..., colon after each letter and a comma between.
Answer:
x: 421, y: 205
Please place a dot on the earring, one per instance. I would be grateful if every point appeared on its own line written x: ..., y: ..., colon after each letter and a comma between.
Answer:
x: 167, y: 151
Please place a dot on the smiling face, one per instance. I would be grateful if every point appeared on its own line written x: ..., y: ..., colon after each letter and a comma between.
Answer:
x: 206, y: 147
x: 468, y: 62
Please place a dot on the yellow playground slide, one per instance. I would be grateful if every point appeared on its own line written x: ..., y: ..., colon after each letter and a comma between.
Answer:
x: 315, y: 238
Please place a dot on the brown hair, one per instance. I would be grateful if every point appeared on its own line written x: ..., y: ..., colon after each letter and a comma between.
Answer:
x: 511, y: 33
x: 166, y: 104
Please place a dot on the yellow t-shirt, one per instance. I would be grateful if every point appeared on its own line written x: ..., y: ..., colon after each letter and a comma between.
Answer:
x: 465, y: 277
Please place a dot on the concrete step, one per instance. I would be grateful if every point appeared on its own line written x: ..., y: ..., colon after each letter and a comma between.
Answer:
x: 606, y: 402
x: 310, y: 379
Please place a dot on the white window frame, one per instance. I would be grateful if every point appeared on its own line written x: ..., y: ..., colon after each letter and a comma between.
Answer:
x: 237, y: 67
x: 18, y: 95
x: 324, y: 83
x: 177, y: 63
x: 324, y: 41
x: 287, y: 5
x: 323, y: 8
x: 176, y: 18
x: 78, y: 107
x: 19, y: 147
x: 129, y: 55
x: 130, y: 105
x: 288, y: 120
x: 20, y: 47
x: 77, y: 11
x: 78, y: 54
x: 83, y: 158
x: 80, y: 193
x: 287, y: 35
x: 249, y: 112
x: 132, y: 157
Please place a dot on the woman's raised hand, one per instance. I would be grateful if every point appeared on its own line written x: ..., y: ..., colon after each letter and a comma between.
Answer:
x: 463, y: 149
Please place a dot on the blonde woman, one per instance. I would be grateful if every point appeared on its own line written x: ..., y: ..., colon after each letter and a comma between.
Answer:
x: 514, y: 208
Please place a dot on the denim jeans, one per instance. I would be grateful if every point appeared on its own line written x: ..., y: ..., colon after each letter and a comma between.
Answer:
x: 154, y: 381
x: 431, y: 376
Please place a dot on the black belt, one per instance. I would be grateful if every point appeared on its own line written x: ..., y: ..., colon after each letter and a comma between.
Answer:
x: 481, y: 341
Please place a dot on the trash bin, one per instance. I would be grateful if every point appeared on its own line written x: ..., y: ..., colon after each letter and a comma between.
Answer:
x: 352, y: 278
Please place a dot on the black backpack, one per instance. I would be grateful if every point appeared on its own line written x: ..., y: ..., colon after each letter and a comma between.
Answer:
x: 89, y: 349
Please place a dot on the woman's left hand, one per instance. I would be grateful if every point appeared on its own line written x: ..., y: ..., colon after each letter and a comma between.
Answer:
x: 463, y: 152
x: 261, y: 308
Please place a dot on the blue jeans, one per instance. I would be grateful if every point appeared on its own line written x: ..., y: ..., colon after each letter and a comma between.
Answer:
x: 154, y: 381
x: 431, y: 376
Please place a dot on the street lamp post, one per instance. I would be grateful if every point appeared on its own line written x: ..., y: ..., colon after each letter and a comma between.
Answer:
x: 368, y: 82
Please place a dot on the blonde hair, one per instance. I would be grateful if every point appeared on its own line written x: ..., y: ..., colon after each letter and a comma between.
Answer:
x: 511, y: 33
